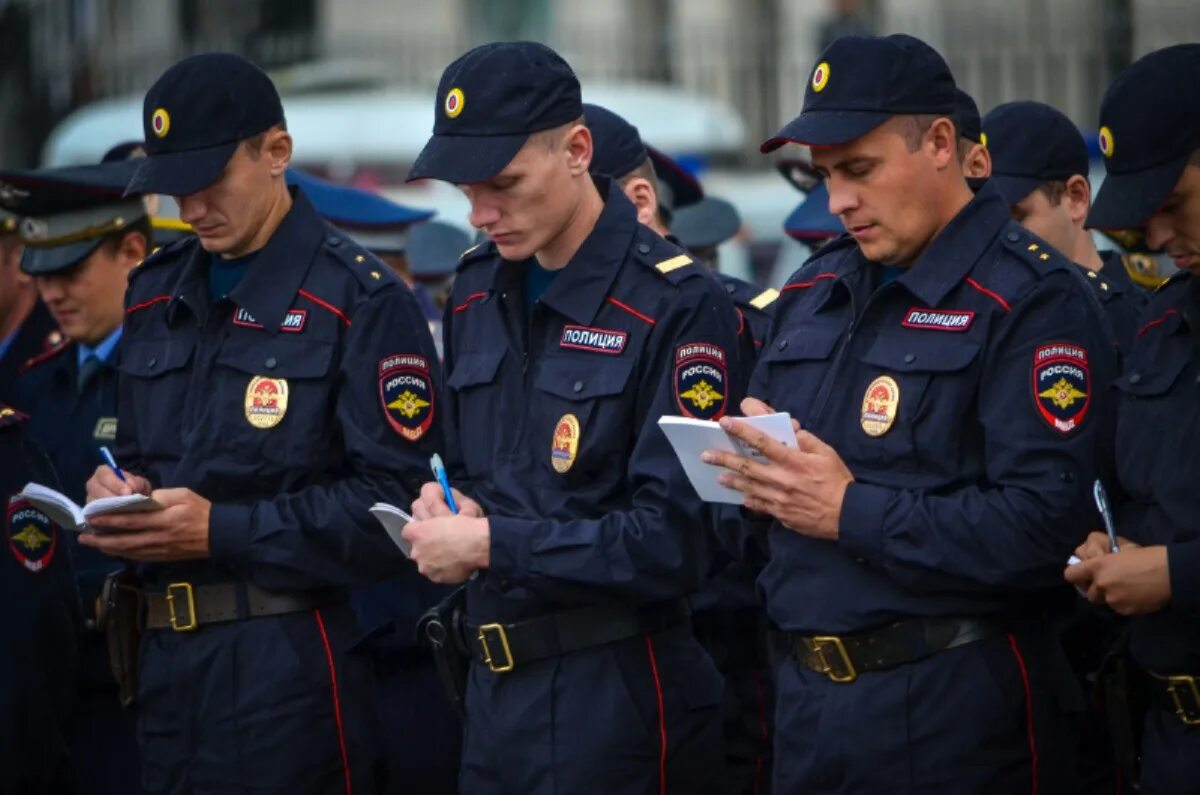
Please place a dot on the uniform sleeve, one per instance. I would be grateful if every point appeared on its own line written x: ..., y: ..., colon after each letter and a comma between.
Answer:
x: 1183, y: 563
x: 655, y: 550
x: 323, y: 535
x: 1016, y: 529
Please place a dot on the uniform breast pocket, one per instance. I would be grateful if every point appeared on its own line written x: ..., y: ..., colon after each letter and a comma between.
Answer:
x: 916, y: 400
x: 584, y: 415
x: 158, y: 375
x: 797, y: 362
x: 477, y: 408
x: 277, y: 400
x: 1157, y: 425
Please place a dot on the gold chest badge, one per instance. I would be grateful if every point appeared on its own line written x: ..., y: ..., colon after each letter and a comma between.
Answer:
x: 266, y: 401
x: 879, y: 406
x: 565, y: 446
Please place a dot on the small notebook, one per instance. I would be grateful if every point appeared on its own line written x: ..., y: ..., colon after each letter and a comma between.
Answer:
x: 691, y: 437
x: 394, y: 521
x: 67, y: 514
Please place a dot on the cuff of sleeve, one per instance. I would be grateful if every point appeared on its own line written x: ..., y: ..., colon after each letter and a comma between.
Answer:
x: 860, y: 527
x: 1183, y: 565
x: 228, y: 533
x: 510, y: 552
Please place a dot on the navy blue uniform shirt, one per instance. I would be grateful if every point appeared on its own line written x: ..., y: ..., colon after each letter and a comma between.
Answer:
x: 37, y: 335
x: 1123, y: 301
x: 294, y: 404
x: 964, y: 397
x: 551, y: 421
x: 1158, y: 434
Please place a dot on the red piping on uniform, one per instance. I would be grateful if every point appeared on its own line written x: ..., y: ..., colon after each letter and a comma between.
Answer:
x: 989, y: 294
x: 337, y: 706
x: 741, y: 320
x: 147, y: 304
x: 41, y: 357
x: 466, y: 303
x: 806, y: 285
x: 1157, y: 321
x: 326, y: 305
x: 762, y: 729
x: 631, y: 310
x: 1033, y: 758
x: 662, y: 718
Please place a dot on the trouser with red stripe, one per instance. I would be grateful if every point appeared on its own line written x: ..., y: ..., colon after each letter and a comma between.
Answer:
x: 265, y: 705
x: 993, y: 716
x: 636, y: 717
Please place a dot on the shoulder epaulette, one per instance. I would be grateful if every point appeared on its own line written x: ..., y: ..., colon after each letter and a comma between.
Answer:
x: 1143, y: 270
x: 764, y: 299
x: 163, y: 254
x: 1172, y: 279
x: 10, y: 416
x: 45, y: 356
x: 475, y: 253
x: 1035, y: 252
x: 367, y: 268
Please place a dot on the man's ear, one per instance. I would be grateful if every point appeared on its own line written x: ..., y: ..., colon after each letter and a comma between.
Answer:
x: 579, y: 149
x: 978, y: 162
x: 942, y: 139
x: 641, y: 192
x: 1078, y: 197
x: 278, y: 149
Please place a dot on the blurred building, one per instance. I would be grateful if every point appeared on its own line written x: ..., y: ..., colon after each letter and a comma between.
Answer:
x: 754, y: 54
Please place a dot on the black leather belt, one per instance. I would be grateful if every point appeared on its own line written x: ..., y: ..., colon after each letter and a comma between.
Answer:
x: 183, y: 606
x: 843, y: 657
x: 502, y: 646
x: 1179, y: 693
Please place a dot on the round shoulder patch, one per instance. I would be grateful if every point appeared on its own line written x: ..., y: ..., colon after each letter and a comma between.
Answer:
x: 406, y: 393
x: 701, y: 380
x: 1062, y: 385
x: 32, y: 537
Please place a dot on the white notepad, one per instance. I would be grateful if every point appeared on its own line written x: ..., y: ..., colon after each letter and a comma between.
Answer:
x: 394, y: 521
x: 691, y: 437
x: 67, y: 514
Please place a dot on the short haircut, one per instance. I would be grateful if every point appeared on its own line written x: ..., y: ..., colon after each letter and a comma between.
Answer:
x: 1053, y: 190
x: 141, y: 226
x: 914, y: 127
x: 254, y: 143
x: 551, y: 139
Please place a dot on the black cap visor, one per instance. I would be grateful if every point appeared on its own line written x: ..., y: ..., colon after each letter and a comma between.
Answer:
x: 1014, y: 188
x: 1125, y: 201
x: 466, y: 159
x: 825, y: 128
x: 56, y: 259
x: 181, y: 173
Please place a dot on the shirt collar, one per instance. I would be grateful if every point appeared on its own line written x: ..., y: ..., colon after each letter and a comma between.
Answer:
x: 269, y: 287
x: 101, y: 351
x: 952, y: 254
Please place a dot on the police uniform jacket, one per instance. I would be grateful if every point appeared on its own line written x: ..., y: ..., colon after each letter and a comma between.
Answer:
x: 964, y: 397
x: 552, y: 421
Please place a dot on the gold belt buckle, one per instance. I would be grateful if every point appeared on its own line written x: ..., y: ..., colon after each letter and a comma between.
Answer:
x: 182, y: 590
x: 1190, y: 717
x: 509, y: 664
x: 818, y: 646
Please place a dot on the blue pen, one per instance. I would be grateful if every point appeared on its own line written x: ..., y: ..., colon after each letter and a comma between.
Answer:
x: 112, y: 462
x: 439, y: 472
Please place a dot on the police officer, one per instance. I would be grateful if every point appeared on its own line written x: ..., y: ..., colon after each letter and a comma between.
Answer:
x: 942, y: 366
x: 408, y: 701
x: 39, y: 627
x: 81, y: 240
x: 568, y: 335
x: 26, y: 326
x: 1150, y: 137
x: 276, y: 380
x: 726, y: 615
x: 1040, y: 166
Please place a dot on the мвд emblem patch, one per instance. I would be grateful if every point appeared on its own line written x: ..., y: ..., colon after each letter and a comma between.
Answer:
x: 406, y: 391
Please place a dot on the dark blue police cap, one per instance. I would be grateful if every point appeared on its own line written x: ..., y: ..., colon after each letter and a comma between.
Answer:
x: 618, y: 149
x: 708, y: 222
x: 860, y: 82
x: 1031, y: 143
x: 195, y: 115
x: 811, y: 220
x: 434, y: 249
x: 966, y: 115
x: 489, y: 102
x: 1149, y: 127
x: 66, y: 212
x: 375, y: 222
